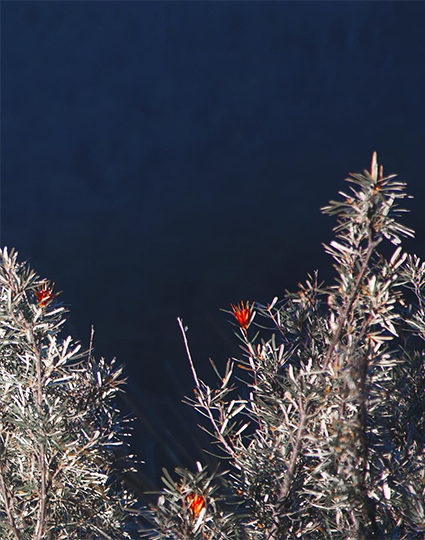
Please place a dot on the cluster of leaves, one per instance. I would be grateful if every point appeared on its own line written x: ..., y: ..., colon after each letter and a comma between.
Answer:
x: 322, y: 430
x: 327, y: 440
x: 58, y: 426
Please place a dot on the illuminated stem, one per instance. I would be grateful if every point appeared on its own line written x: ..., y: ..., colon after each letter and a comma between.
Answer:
x: 7, y: 505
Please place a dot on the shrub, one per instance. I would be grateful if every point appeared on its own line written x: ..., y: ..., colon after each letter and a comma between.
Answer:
x: 321, y: 422
x: 58, y: 426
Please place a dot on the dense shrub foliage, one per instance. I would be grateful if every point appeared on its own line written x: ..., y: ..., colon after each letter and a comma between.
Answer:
x: 321, y: 422
x: 319, y: 426
x: 58, y: 427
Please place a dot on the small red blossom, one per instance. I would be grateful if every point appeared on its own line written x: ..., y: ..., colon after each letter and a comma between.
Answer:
x: 243, y: 314
x: 196, y: 504
x: 45, y: 294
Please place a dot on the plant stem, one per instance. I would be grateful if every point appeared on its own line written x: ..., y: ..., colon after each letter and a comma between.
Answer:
x: 41, y: 520
x: 219, y: 435
x: 349, y: 304
x: 7, y: 505
x: 286, y: 484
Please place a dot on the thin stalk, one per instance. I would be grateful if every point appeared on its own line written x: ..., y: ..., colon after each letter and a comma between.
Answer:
x: 349, y: 304
x: 290, y: 473
x: 189, y: 356
x: 219, y: 436
x: 41, y: 519
x: 7, y: 505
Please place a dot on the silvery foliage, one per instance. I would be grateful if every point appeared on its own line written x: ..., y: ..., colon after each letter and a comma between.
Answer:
x: 327, y: 440
x: 58, y: 426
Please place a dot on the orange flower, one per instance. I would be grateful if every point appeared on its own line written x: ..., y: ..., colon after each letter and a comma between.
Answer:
x: 196, y: 504
x: 45, y: 295
x: 242, y: 314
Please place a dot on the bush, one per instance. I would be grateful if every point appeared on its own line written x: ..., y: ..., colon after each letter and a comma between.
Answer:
x: 325, y: 436
x: 58, y: 426
x: 320, y: 424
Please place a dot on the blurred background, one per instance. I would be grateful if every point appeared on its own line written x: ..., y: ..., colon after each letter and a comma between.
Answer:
x: 164, y: 159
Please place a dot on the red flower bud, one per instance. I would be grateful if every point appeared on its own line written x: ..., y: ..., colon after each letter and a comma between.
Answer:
x: 243, y: 314
x: 196, y: 504
x: 45, y: 295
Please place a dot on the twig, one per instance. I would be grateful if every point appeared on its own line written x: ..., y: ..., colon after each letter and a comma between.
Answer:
x: 219, y: 435
x: 41, y: 519
x: 286, y: 484
x: 349, y: 304
x: 7, y: 505
x: 189, y: 356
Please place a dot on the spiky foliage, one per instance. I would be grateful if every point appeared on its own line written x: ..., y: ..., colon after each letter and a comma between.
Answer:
x: 57, y: 422
x: 328, y: 438
x: 192, y: 507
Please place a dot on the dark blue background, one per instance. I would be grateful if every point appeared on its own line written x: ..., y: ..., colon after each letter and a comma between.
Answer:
x: 163, y: 159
